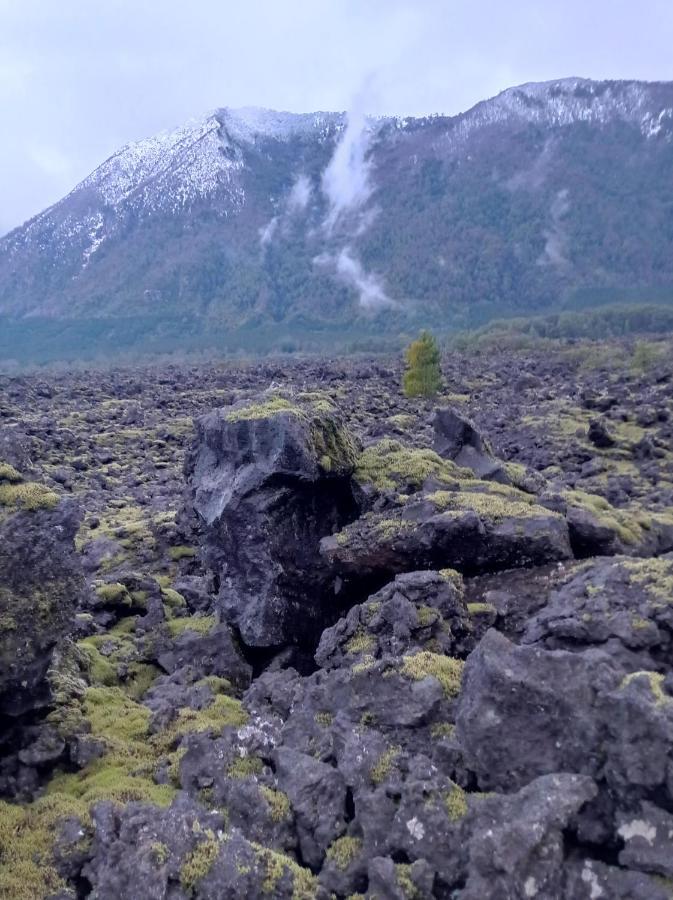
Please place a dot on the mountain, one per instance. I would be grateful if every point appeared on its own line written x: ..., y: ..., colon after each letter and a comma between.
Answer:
x: 249, y: 227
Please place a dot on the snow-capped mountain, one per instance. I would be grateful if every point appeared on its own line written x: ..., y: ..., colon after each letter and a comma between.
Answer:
x: 250, y: 217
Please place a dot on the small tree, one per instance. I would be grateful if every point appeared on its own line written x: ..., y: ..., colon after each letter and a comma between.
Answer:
x: 423, y: 376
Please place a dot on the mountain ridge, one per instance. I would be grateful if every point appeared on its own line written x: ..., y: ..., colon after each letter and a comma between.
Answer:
x: 543, y: 190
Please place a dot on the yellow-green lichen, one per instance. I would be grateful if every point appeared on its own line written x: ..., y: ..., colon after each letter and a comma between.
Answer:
x: 361, y: 642
x: 181, y: 551
x: 389, y: 464
x: 199, y: 862
x: 456, y: 804
x: 653, y: 680
x: 27, y: 496
x: 344, y: 851
x: 197, y: 624
x: 278, y: 803
x: 276, y: 865
x: 445, y: 669
x: 245, y: 767
x: 384, y: 765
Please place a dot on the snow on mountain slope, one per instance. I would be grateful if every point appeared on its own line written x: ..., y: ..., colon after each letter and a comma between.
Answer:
x: 455, y: 208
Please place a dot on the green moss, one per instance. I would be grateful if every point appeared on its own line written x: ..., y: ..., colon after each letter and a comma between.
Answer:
x: 27, y: 870
x: 389, y: 464
x: 223, y: 711
x: 653, y: 575
x: 199, y: 862
x: 181, y: 551
x: 654, y: 681
x: 404, y: 880
x: 245, y: 767
x: 384, y: 765
x: 622, y: 522
x: 324, y: 719
x: 454, y: 577
x: 366, y: 663
x: 27, y: 496
x: 402, y: 421
x: 112, y: 593
x: 445, y: 669
x: 426, y: 616
x: 442, y: 730
x: 276, y: 865
x: 160, y: 853
x: 271, y: 407
x: 278, y: 803
x: 480, y: 609
x: 197, y: 624
x: 9, y: 473
x: 361, y: 642
x: 492, y: 505
x: 101, y: 672
x: 456, y: 804
x: 344, y: 851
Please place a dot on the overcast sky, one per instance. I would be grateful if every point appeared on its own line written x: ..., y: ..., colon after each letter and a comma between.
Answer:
x: 78, y: 79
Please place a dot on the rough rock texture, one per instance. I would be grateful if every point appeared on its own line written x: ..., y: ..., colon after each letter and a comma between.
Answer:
x: 417, y: 731
x: 40, y: 585
x: 269, y: 479
x: 457, y: 438
x: 469, y: 531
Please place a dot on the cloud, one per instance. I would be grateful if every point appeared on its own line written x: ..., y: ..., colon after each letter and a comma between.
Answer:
x: 295, y: 202
x: 266, y: 232
x: 370, y: 287
x: 300, y: 194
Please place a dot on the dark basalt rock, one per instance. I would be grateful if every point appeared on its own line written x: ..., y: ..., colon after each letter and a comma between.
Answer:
x: 458, y: 438
x: 599, y: 435
x: 471, y: 532
x: 525, y: 712
x: 516, y: 843
x: 417, y: 610
x: 268, y: 481
x: 40, y: 585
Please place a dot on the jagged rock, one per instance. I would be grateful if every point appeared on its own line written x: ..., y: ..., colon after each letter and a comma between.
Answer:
x: 516, y: 843
x: 317, y: 792
x: 622, y: 605
x: 416, y: 611
x: 472, y: 531
x: 525, y: 711
x: 599, y: 435
x: 591, y: 879
x: 647, y: 840
x: 398, y: 882
x: 268, y: 480
x: 457, y: 438
x: 213, y: 653
x: 40, y: 584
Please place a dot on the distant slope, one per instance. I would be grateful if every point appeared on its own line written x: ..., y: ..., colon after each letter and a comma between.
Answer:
x: 229, y: 224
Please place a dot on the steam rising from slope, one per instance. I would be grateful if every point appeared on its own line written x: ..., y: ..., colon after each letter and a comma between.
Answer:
x: 369, y: 286
x: 347, y: 187
x: 345, y: 181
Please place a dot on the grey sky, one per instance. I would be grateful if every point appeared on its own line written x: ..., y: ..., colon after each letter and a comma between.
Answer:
x: 78, y: 79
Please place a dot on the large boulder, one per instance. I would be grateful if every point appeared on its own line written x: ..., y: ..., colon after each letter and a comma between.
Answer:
x: 474, y: 529
x: 269, y: 479
x: 525, y: 712
x: 40, y: 585
x: 457, y: 438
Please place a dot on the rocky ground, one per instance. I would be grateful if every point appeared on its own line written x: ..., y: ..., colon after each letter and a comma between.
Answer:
x: 273, y: 630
